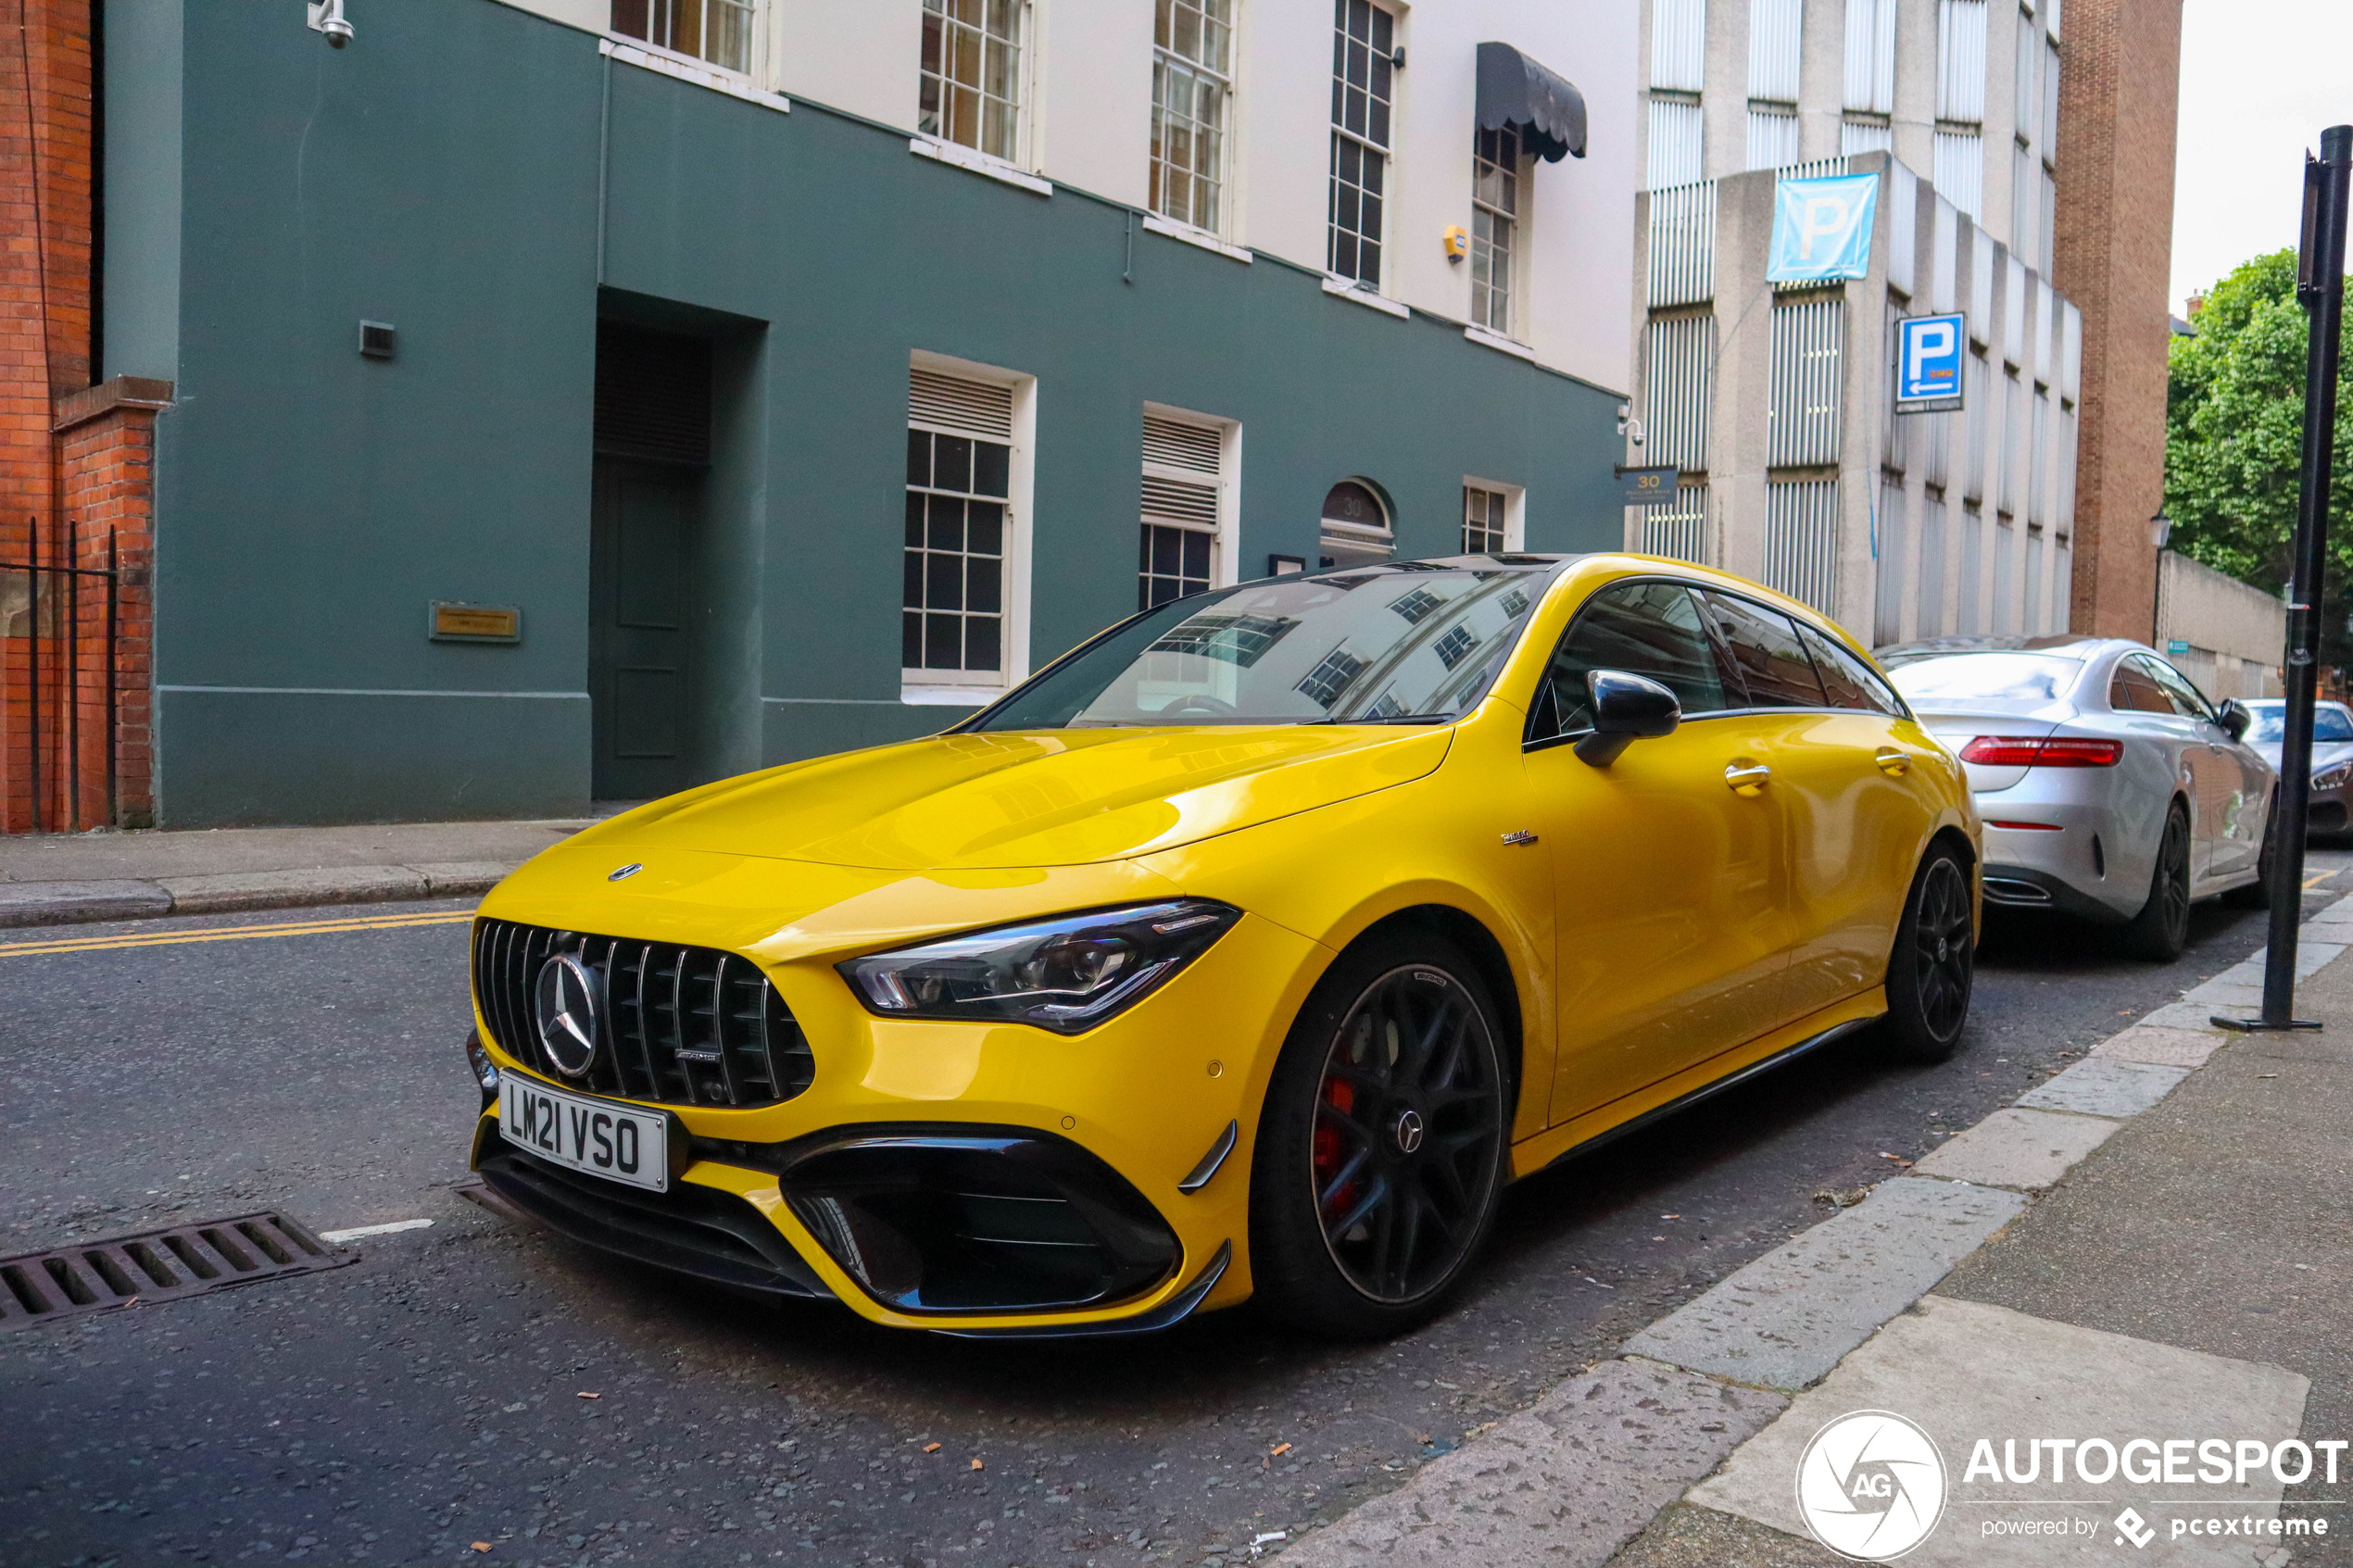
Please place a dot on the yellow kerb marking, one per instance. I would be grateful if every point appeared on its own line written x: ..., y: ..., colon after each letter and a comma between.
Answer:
x: 228, y: 933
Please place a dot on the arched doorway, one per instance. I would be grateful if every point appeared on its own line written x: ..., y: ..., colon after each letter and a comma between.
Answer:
x: 1355, y: 529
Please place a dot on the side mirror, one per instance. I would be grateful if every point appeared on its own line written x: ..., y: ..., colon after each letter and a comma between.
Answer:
x: 1625, y: 708
x: 2236, y: 718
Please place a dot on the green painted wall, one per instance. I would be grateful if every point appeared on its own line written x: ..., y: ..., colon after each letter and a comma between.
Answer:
x: 444, y: 174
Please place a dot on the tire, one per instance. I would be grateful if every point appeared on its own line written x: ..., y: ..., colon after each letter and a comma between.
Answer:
x: 2256, y: 895
x: 1362, y: 1220
x: 2160, y: 933
x: 1934, y: 963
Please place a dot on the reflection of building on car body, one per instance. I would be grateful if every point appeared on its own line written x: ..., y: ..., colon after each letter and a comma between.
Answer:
x: 2110, y: 788
x: 1246, y: 951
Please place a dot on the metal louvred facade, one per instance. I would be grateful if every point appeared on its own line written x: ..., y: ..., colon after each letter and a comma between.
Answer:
x: 1802, y: 428
x: 1801, y: 541
x: 1775, y: 31
x: 1870, y: 55
x: 1960, y: 62
x: 1772, y: 138
x: 1678, y: 44
x: 1678, y: 389
x: 1675, y: 529
x: 1677, y: 144
x: 1960, y: 169
x: 1682, y: 245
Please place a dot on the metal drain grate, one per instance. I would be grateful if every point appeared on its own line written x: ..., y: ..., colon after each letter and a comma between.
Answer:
x: 158, y: 1266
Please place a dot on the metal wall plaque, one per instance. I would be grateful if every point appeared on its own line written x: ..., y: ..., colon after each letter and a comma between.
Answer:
x: 475, y: 623
x: 1646, y: 487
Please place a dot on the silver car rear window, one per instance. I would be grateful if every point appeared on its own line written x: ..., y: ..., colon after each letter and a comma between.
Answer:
x: 1998, y: 680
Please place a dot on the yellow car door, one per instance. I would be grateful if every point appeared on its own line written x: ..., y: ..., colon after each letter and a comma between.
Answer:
x: 1859, y: 816
x: 1671, y: 897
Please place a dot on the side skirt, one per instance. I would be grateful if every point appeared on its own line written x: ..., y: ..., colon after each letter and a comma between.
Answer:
x: 1531, y: 1157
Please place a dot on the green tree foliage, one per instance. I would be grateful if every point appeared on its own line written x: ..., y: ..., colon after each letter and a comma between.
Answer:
x: 2234, y: 438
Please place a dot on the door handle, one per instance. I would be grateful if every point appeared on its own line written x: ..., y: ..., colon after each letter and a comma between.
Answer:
x: 1747, y: 778
x: 1891, y: 762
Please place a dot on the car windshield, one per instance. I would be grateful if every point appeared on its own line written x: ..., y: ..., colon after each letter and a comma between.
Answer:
x: 2003, y: 681
x: 2328, y: 723
x: 1410, y: 643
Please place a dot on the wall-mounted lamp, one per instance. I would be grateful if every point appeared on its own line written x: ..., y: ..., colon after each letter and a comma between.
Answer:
x: 2161, y: 529
x: 326, y: 16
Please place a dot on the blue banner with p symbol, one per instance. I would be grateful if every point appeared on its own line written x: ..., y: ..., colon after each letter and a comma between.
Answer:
x: 1822, y: 229
x: 1928, y: 363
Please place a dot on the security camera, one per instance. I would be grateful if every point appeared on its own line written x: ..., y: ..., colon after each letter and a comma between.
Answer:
x: 326, y: 16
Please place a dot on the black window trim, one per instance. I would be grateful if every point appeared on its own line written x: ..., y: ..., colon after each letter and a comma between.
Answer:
x: 1530, y: 743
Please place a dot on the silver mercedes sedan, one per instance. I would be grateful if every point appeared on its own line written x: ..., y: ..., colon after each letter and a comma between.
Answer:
x: 2109, y: 787
x: 2332, y: 795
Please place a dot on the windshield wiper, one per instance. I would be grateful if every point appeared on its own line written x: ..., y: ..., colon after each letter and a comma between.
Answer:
x: 1389, y: 719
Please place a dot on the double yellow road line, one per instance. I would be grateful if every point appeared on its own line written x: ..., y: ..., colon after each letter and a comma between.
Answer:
x: 229, y: 933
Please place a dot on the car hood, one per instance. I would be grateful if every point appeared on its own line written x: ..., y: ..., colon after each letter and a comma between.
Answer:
x: 1030, y: 798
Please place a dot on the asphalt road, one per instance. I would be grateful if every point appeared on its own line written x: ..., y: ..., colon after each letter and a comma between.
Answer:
x: 430, y: 1396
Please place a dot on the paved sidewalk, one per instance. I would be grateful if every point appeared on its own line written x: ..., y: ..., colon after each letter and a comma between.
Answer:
x: 2154, y: 1243
x: 61, y: 878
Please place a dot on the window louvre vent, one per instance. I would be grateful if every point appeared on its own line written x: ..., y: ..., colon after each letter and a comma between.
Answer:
x: 1176, y: 501
x: 653, y: 394
x: 1178, y: 445
x: 965, y: 407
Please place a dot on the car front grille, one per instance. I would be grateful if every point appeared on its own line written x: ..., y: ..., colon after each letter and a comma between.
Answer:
x: 679, y: 1026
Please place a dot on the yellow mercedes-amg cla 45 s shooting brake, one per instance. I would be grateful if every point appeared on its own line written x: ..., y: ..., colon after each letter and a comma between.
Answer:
x: 1247, y: 951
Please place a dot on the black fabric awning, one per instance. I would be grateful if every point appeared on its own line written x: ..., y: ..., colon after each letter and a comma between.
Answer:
x: 1545, y: 105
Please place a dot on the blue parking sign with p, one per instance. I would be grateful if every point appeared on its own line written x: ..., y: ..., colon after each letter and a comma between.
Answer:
x: 1928, y: 363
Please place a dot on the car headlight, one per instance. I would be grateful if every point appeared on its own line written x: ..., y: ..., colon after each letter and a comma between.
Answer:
x: 2333, y: 778
x: 1067, y: 972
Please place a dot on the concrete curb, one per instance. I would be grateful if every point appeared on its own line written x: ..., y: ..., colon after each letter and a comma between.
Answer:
x: 1791, y: 1317
x: 71, y: 903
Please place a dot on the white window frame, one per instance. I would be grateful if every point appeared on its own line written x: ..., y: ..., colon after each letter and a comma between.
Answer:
x: 1515, y: 510
x: 1018, y: 166
x: 1517, y: 222
x: 1386, y: 152
x: 752, y: 73
x: 971, y: 688
x: 1225, y: 546
x: 1227, y: 164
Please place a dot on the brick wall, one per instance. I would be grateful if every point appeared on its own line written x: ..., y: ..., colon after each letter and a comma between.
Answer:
x: 76, y: 461
x: 2120, y: 83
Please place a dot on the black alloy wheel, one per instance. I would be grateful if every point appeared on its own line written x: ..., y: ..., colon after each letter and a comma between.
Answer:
x: 1385, y: 1141
x: 2160, y: 933
x: 1934, y: 964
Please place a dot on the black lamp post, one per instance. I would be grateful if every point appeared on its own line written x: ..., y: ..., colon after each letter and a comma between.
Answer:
x: 2319, y: 287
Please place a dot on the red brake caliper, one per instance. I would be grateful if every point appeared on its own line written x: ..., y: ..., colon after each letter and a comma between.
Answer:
x: 1331, y: 1152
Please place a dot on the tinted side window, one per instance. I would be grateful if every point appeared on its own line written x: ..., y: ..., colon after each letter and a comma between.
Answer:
x: 1848, y: 681
x: 2187, y: 700
x: 1649, y: 629
x: 1772, y: 662
x: 2133, y: 690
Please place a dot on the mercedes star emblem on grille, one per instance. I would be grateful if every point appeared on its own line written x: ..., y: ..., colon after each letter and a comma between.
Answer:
x: 564, y: 1006
x: 631, y: 869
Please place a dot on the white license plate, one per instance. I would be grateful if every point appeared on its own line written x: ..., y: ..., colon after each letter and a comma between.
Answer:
x: 579, y: 1134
